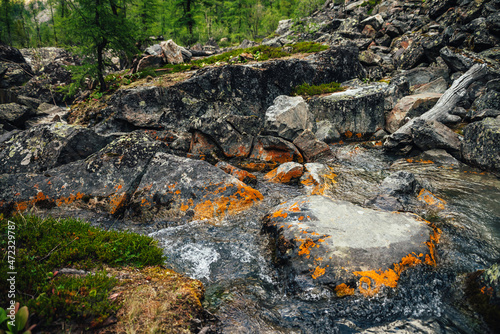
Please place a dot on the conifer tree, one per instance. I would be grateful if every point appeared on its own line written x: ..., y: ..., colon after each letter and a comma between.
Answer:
x: 95, y: 27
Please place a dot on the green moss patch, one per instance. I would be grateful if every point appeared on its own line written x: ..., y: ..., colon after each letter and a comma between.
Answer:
x: 309, y: 90
x: 43, y: 246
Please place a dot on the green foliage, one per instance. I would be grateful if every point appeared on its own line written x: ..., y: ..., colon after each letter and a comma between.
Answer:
x: 310, y: 90
x: 370, y: 4
x: 45, y: 245
x: 96, y: 26
x: 20, y: 322
x: 79, y: 75
x: 261, y: 53
x: 77, y: 297
x: 308, y: 47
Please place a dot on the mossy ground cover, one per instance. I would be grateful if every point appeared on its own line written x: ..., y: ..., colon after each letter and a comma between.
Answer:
x: 259, y: 53
x: 44, y: 246
x: 309, y: 90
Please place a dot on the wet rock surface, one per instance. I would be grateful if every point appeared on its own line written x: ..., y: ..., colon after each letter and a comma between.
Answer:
x: 145, y: 175
x: 333, y: 242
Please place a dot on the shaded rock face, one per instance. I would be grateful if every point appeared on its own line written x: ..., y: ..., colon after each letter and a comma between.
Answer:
x: 51, y: 75
x: 47, y: 146
x: 481, y: 144
x: 238, y: 90
x: 14, y: 71
x: 356, y: 113
x: 226, y: 106
x: 429, y: 135
x: 311, y: 147
x: 322, y: 242
x: 13, y: 115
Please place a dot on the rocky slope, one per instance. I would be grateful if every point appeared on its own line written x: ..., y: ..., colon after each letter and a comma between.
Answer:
x: 148, y: 153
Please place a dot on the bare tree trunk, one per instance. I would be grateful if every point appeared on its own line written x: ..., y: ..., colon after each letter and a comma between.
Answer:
x: 401, y: 139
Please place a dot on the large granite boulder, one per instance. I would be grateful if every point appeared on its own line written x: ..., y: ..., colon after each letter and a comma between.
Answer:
x: 102, y: 182
x: 47, y: 146
x: 481, y: 144
x: 174, y: 187
x: 322, y: 242
x: 356, y: 113
x: 288, y: 117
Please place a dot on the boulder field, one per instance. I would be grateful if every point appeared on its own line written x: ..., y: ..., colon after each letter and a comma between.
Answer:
x: 417, y: 80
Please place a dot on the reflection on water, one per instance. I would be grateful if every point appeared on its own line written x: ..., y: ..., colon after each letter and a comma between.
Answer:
x: 233, y: 259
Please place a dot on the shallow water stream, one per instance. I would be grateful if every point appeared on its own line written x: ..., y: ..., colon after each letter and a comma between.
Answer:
x: 232, y: 256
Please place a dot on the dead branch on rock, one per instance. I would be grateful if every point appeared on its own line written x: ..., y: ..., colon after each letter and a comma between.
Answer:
x: 401, y: 140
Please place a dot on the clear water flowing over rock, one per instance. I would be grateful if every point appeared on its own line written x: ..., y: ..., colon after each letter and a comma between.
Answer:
x: 234, y: 258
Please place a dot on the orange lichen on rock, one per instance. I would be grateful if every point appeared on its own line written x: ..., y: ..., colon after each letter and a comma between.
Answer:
x: 430, y: 259
x: 239, y: 201
x: 431, y: 199
x: 320, y: 187
x: 420, y: 161
x: 257, y: 166
x: 390, y: 277
x: 241, y: 175
x: 318, y: 271
x: 68, y: 200
x: 280, y: 213
x: 278, y: 175
x: 305, y: 246
x: 116, y: 202
x: 348, y: 134
x: 343, y: 290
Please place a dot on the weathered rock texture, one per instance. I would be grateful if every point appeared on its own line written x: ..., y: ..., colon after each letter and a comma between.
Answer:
x: 481, y: 145
x: 320, y: 241
x: 356, y: 113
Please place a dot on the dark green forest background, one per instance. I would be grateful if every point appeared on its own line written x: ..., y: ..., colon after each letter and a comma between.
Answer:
x: 62, y: 22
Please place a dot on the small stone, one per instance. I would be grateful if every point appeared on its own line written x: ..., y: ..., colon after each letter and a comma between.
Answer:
x: 288, y: 172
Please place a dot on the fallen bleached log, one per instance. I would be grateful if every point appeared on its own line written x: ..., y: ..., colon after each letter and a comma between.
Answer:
x: 401, y: 140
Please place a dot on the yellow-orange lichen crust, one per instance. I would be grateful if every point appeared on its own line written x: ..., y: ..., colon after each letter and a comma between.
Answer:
x: 240, y: 200
x: 319, y: 188
x: 430, y: 199
x: 343, y: 290
x: 114, y: 201
x: 284, y: 177
x: 372, y: 280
